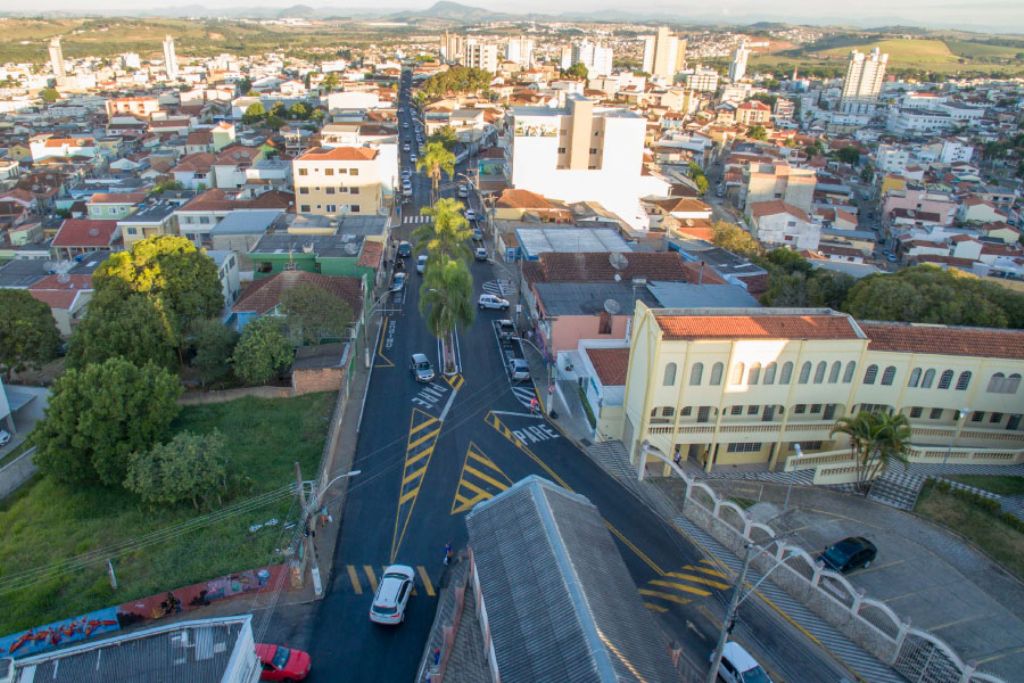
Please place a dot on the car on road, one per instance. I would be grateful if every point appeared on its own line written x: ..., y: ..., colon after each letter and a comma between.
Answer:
x: 518, y: 370
x: 890, y: 257
x: 478, y: 235
x: 480, y: 254
x: 855, y: 552
x: 421, y: 369
x: 405, y: 147
x: 398, y: 282
x: 506, y: 328
x: 406, y: 190
x: 404, y: 249
x: 421, y: 263
x: 470, y: 215
x: 492, y: 302
x: 405, y: 124
x: 392, y: 595
x: 5, y: 437
x: 463, y: 191
x: 738, y: 666
x: 282, y: 663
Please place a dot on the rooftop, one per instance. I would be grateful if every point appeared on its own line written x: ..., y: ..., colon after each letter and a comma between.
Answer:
x: 944, y: 339
x: 591, y: 298
x: 339, y: 154
x: 536, y: 241
x: 597, y: 267
x: 779, y: 323
x: 264, y: 295
x: 687, y: 295
x: 611, y: 365
x: 76, y: 232
x: 247, y: 222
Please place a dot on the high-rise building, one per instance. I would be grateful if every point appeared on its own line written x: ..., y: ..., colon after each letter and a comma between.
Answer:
x: 57, y: 58
x: 664, y: 54
x: 452, y: 48
x: 863, y: 82
x: 480, y: 55
x: 597, y: 58
x: 170, y: 59
x: 520, y: 51
x: 338, y: 180
x: 131, y: 60
x: 738, y: 67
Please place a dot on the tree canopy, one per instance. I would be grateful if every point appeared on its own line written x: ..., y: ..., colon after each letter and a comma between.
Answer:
x: 794, y: 282
x: 446, y: 135
x: 732, y: 237
x: 435, y: 160
x: 313, y: 314
x: 577, y: 71
x: 757, y: 133
x: 99, y: 415
x: 190, y: 467
x: 254, y: 112
x: 213, y: 343
x: 49, y: 95
x: 128, y: 326
x: 849, y: 155
x: 262, y: 351
x: 28, y: 332
x: 456, y: 80
x: 447, y: 235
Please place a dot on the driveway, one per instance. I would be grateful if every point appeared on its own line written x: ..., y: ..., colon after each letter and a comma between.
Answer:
x: 942, y: 584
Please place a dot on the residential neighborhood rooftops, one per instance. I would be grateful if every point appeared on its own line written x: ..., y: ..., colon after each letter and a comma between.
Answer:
x: 611, y: 365
x: 777, y: 206
x: 60, y: 291
x: 247, y: 222
x: 80, y: 232
x: 339, y: 154
x: 536, y: 241
x: 152, y: 213
x: 590, y: 298
x: 597, y: 267
x: 263, y: 296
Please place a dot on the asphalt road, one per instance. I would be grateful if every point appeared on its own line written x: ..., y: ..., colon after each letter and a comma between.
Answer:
x: 429, y: 452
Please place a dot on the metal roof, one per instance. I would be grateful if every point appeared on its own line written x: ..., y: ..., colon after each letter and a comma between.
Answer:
x: 561, y: 605
x: 536, y: 241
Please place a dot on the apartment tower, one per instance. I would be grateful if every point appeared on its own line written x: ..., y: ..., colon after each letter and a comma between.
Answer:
x: 863, y: 82
x: 664, y: 54
x: 170, y: 59
x: 738, y: 67
x: 57, y: 58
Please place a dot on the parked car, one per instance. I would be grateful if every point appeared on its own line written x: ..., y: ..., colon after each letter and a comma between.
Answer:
x: 5, y: 437
x: 282, y: 663
x: 506, y: 329
x: 421, y: 263
x: 405, y: 147
x: 480, y: 254
x: 492, y: 302
x: 738, y: 666
x: 421, y: 369
x: 478, y: 235
x: 392, y: 596
x: 470, y: 215
x: 398, y: 282
x: 404, y: 249
x: 518, y: 370
x: 851, y: 553
x: 463, y: 191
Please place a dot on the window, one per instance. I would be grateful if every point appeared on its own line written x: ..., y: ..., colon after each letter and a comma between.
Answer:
x: 995, y: 417
x: 815, y: 408
x: 977, y: 416
x: 303, y: 171
x: 851, y: 368
x: 716, y: 374
x: 870, y: 374
x: 304, y: 208
x: 769, y: 373
x: 686, y: 412
x: 703, y: 413
x: 995, y: 383
x: 328, y: 171
x: 753, y: 410
x: 354, y: 190
x: 889, y: 375
x: 204, y: 220
x: 736, y: 410
x: 928, y: 379
x: 668, y: 411
x: 737, y: 374
x: 331, y: 190
x: 133, y: 231
x: 751, y: 447
x: 593, y: 150
x: 963, y: 380
x: 754, y: 376
x: 935, y: 414
x: 353, y: 171
x: 833, y: 375
x: 830, y: 411
x: 303, y: 190
x: 805, y: 372
x: 915, y: 378
x: 1014, y: 383
x: 669, y: 377
x: 819, y: 373
x: 332, y: 208
x: 604, y: 323
x: 946, y: 379
x: 787, y: 373
x: 800, y: 408
x: 696, y: 374
x: 561, y: 150
x: 342, y: 171
x: 915, y: 411
x: 354, y: 208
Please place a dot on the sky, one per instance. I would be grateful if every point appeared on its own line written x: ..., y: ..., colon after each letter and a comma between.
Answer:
x: 1002, y: 15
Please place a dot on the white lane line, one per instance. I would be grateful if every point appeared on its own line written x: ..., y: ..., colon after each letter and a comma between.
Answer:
x: 448, y: 405
x: 515, y: 414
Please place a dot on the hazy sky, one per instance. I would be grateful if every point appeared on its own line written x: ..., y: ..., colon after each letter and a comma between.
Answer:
x: 1004, y: 15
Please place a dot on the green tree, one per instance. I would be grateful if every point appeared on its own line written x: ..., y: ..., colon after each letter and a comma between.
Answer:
x: 28, y: 332
x: 330, y: 82
x: 446, y: 302
x: 213, y: 343
x: 168, y: 185
x: 244, y: 85
x: 122, y: 325
x: 849, y: 155
x: 732, y: 237
x: 757, y: 133
x: 190, y: 467
x: 254, y: 113
x: 446, y: 135
x: 701, y: 181
x: 313, y: 314
x: 447, y: 235
x: 181, y: 280
x: 49, y: 95
x: 263, y: 350
x: 317, y: 115
x: 98, y: 415
x: 577, y: 72
x: 456, y: 80
x: 436, y: 159
x: 876, y: 440
x: 298, y: 111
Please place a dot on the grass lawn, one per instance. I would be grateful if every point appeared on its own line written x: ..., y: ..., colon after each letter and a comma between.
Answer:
x: 1002, y: 485
x: 45, y: 522
x: 1002, y: 542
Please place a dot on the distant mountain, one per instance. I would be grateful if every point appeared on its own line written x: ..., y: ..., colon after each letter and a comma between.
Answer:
x: 455, y: 12
x: 297, y: 12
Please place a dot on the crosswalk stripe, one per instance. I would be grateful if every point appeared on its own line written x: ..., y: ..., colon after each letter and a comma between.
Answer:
x: 713, y: 572
x: 699, y: 579
x: 425, y: 423
x: 354, y: 577
x: 371, y: 577
x: 413, y: 459
x: 655, y: 608
x: 665, y: 596
x: 489, y: 479
x: 680, y: 587
x: 420, y: 440
x: 425, y: 578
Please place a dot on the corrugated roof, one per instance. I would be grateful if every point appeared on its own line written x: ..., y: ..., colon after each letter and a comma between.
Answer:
x: 944, y: 339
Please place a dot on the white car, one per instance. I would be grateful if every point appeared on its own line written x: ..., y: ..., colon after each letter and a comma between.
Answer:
x: 405, y: 147
x: 492, y: 302
x: 421, y: 263
x: 738, y: 666
x: 463, y: 191
x: 392, y: 596
x: 398, y: 282
x: 5, y: 437
x: 470, y: 215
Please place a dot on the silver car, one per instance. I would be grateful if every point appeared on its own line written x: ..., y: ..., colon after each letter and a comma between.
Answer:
x: 421, y: 369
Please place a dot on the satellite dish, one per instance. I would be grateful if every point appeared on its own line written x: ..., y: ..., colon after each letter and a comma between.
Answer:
x: 94, y: 232
x: 618, y: 260
x: 612, y: 306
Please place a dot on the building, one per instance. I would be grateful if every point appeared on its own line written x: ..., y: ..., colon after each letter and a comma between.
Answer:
x: 57, y: 58
x: 170, y: 59
x: 892, y: 158
x: 776, y: 223
x: 664, y: 54
x: 738, y: 66
x: 597, y: 58
x: 151, y: 220
x: 912, y: 121
x: 78, y: 236
x: 574, y: 584
x: 520, y: 51
x: 66, y: 295
x: 338, y: 180
x: 480, y: 55
x: 753, y: 113
x: 735, y: 387
x: 701, y: 79
x: 452, y: 48
x: 143, y: 107
x: 863, y: 82
x: 767, y: 182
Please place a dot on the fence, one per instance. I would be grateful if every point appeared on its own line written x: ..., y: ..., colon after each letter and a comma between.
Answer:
x: 916, y: 654
x: 17, y: 472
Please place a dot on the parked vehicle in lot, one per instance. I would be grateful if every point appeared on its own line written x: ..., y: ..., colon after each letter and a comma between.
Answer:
x: 392, y: 595
x: 480, y: 254
x: 421, y: 369
x: 518, y: 370
x: 506, y: 329
x: 398, y: 282
x: 404, y: 249
x: 738, y: 666
x: 421, y: 263
x: 282, y: 663
x: 5, y: 437
x: 851, y: 553
x: 492, y: 302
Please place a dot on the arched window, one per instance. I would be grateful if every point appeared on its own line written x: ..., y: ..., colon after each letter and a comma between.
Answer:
x: 668, y: 411
x: 696, y: 374
x: 963, y: 380
x: 915, y: 378
x: 769, y: 373
x: 716, y: 374
x: 870, y: 374
x: 805, y: 372
x: 787, y: 373
x: 754, y: 376
x: 946, y: 379
x: 996, y: 383
x: 928, y: 379
x: 1013, y: 383
x: 889, y: 375
x: 669, y: 380
x: 737, y: 374
x: 851, y: 368
x: 819, y: 372
x: 833, y: 375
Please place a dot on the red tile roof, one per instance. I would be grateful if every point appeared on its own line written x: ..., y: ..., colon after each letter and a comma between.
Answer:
x: 193, y: 163
x: 524, y: 199
x: 75, y: 232
x: 943, y: 339
x: 812, y: 326
x: 236, y: 154
x: 123, y: 198
x: 777, y: 206
x: 264, y: 295
x: 339, y: 154
x: 610, y: 364
x: 55, y: 293
x: 371, y: 254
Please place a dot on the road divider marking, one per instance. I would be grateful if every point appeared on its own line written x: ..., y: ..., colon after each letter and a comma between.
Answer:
x: 424, y: 429
x: 387, y: 328
x: 675, y: 585
x: 456, y: 381
x: 424, y: 583
x: 665, y: 596
x: 655, y: 608
x: 354, y: 578
x: 479, y: 480
x: 700, y: 579
x: 425, y: 578
x: 370, y: 577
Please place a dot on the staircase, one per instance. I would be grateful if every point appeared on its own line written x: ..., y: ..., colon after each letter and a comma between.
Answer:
x: 897, y: 488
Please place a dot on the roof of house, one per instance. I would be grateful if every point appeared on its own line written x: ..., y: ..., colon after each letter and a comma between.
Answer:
x: 561, y: 604
x: 122, y: 198
x: 611, y: 364
x: 338, y: 154
x: 60, y: 291
x: 236, y: 154
x: 944, y: 339
x: 757, y: 324
x: 246, y: 222
x: 524, y: 199
x: 590, y: 298
x: 79, y: 232
x: 200, y: 137
x: 597, y: 267
x: 777, y: 206
x: 264, y: 295
x: 371, y: 255
x: 199, y: 162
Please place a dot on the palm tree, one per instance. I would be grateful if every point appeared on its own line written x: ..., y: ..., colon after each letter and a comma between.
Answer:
x: 876, y: 439
x: 446, y: 302
x: 447, y: 235
x: 436, y: 158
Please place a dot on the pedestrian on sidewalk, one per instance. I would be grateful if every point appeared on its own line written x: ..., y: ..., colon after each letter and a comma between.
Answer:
x: 677, y: 458
x: 447, y: 553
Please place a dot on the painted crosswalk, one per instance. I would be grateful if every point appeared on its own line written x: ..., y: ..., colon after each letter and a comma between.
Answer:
x: 363, y: 578
x: 524, y: 394
x: 480, y: 480
x: 423, y: 431
x: 415, y: 220
x: 681, y: 587
x: 498, y: 287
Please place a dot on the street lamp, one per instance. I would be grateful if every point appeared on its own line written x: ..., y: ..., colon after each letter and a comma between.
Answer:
x: 312, y: 505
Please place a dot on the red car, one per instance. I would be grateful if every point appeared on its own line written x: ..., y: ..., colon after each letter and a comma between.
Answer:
x: 282, y: 663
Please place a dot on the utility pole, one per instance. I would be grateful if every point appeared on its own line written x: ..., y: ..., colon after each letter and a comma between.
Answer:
x: 730, y: 615
x: 307, y: 532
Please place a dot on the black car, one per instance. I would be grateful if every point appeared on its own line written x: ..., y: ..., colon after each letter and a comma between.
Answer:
x: 848, y: 554
x: 404, y: 249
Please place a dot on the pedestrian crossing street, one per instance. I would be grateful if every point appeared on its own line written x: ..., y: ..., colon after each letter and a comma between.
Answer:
x: 415, y: 220
x: 363, y: 578
x: 497, y: 287
x: 682, y: 587
x: 524, y: 394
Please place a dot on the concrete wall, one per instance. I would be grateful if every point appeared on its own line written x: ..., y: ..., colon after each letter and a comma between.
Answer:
x: 16, y: 473
x: 319, y: 379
